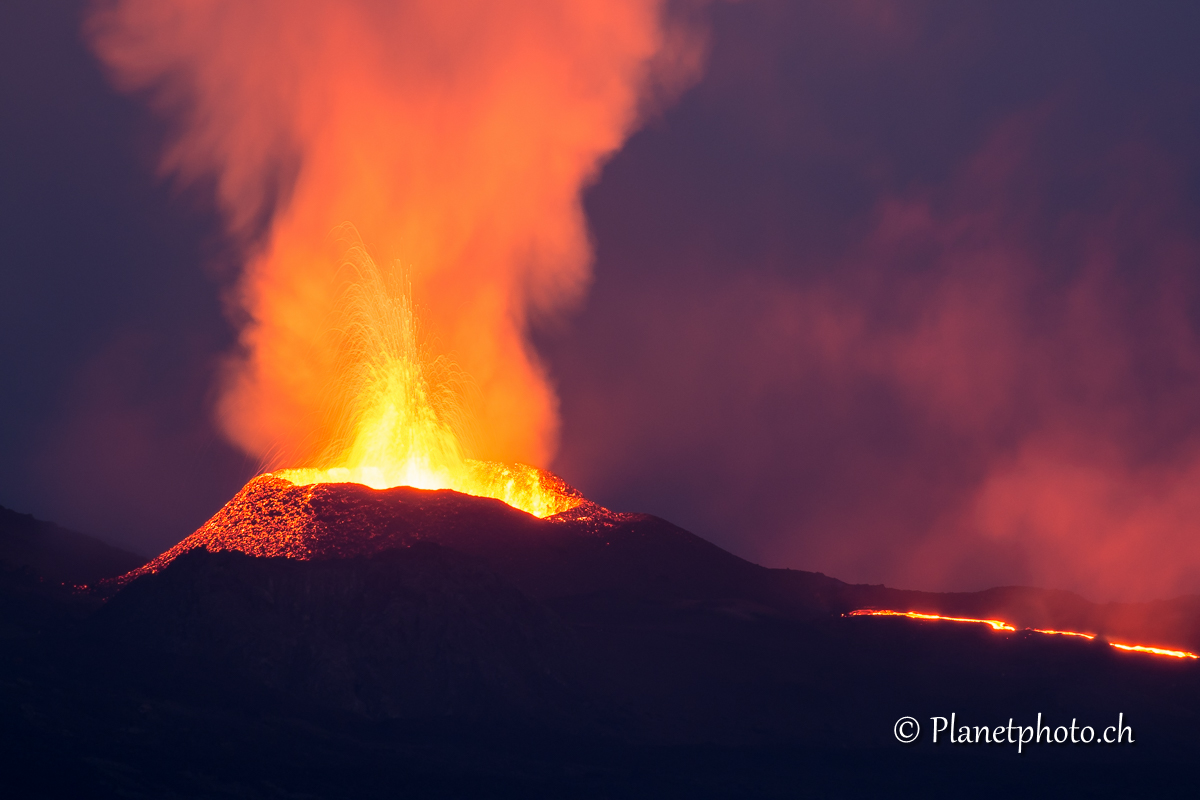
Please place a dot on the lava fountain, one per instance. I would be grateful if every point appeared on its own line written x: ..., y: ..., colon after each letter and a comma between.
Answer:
x: 399, y: 414
x: 457, y: 137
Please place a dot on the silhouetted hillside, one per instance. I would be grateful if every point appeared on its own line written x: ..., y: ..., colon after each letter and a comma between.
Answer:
x: 418, y: 632
x: 57, y: 555
x: 431, y: 644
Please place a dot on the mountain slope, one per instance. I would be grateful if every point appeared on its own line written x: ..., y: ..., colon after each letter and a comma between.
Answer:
x: 591, y: 550
x: 57, y: 555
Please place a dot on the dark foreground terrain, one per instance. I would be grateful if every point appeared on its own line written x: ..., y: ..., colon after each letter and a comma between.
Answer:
x: 473, y: 651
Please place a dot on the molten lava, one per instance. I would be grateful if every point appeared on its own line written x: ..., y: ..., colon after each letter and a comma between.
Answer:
x: 528, y: 488
x: 400, y: 417
x: 534, y: 491
x: 1158, y: 651
x: 997, y: 625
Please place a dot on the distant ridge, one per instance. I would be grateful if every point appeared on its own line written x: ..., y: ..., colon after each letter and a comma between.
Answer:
x: 57, y: 555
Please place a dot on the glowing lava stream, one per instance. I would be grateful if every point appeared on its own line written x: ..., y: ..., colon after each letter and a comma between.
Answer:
x: 997, y: 625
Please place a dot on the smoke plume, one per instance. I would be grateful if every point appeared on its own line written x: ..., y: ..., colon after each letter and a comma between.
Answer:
x: 454, y: 137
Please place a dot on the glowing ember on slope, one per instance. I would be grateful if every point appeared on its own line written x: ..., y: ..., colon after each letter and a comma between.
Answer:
x: 997, y: 625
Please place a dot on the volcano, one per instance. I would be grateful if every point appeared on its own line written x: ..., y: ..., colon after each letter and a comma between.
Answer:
x: 585, y: 550
x: 590, y: 549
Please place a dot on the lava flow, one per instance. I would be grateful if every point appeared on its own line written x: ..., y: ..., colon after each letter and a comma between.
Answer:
x: 995, y: 624
x: 998, y: 625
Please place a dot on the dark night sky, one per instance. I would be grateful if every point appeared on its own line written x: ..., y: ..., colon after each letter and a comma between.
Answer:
x: 905, y: 293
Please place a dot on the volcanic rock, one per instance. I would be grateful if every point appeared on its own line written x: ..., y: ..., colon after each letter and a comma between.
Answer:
x: 586, y: 550
x: 418, y: 632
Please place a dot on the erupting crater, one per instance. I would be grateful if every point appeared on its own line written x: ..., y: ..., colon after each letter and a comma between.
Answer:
x: 534, y: 491
x: 275, y: 515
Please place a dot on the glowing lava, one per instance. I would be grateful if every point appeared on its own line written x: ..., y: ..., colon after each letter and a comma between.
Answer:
x: 400, y: 417
x: 1064, y: 633
x: 997, y: 625
x: 1158, y: 651
x: 521, y: 486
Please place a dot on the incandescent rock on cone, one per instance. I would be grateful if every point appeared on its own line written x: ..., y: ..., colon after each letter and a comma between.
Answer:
x: 271, y: 517
x: 586, y: 549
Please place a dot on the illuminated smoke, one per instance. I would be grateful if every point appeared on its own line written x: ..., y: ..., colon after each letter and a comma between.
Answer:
x: 454, y: 137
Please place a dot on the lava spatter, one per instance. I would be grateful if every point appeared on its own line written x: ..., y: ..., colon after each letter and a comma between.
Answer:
x: 274, y: 517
